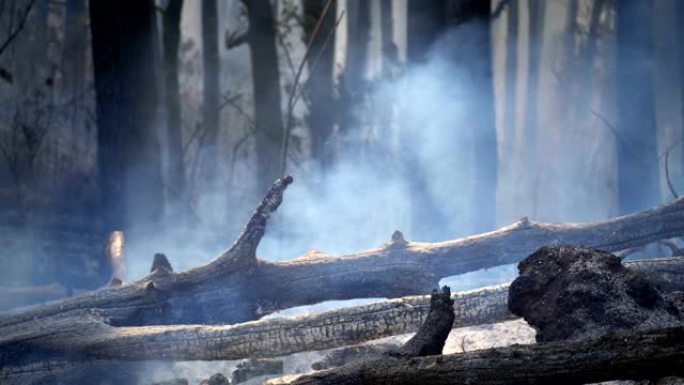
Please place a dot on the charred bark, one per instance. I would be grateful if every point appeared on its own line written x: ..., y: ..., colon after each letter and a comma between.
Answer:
x: 44, y: 347
x: 429, y: 340
x: 238, y: 287
x: 625, y: 356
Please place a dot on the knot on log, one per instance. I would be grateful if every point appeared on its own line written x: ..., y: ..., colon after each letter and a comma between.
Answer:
x: 524, y: 223
x: 161, y: 265
x: 398, y: 238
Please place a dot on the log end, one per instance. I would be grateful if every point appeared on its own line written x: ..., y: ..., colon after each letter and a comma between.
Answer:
x: 432, y: 334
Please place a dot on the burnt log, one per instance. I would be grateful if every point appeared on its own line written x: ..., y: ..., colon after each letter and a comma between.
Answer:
x: 116, y: 322
x: 32, y: 351
x: 351, y: 354
x: 256, y: 367
x: 634, y: 355
x: 268, y: 337
x: 572, y: 292
x: 216, y: 379
x: 428, y: 340
x: 238, y: 287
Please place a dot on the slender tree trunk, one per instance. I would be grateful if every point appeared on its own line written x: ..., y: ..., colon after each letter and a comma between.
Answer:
x: 587, y: 58
x: 321, y: 117
x: 390, y: 52
x: 171, y: 40
x: 537, y: 9
x: 123, y: 36
x: 680, y: 32
x: 354, y: 85
x: 475, y: 15
x: 638, y: 174
x: 210, y: 60
x: 510, y: 106
x: 426, y: 21
x: 266, y: 81
x: 74, y: 56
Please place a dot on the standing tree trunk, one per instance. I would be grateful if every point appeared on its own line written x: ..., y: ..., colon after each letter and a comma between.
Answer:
x: 354, y: 84
x: 321, y: 117
x: 210, y: 108
x: 536, y: 15
x: 266, y: 81
x: 123, y: 34
x: 426, y: 21
x: 74, y: 56
x: 472, y: 55
x: 637, y: 158
x: 680, y: 32
x: 586, y: 63
x: 510, y: 106
x: 477, y: 65
x: 171, y: 40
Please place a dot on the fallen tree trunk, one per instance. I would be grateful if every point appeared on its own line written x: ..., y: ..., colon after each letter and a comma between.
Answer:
x: 84, y: 335
x: 22, y: 296
x: 238, y: 287
x: 625, y: 356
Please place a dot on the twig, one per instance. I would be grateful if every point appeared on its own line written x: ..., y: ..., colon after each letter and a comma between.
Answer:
x: 290, y: 64
x: 318, y: 57
x: 22, y: 22
x: 612, y: 129
x: 670, y: 186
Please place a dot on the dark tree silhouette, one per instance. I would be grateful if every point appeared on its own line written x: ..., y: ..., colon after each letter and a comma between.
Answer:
x: 638, y: 174
x: 510, y: 106
x: 321, y: 117
x: 171, y: 39
x: 210, y: 107
x: 123, y: 34
x: 268, y: 117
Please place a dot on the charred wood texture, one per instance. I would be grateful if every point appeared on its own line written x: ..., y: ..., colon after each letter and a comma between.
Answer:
x: 624, y: 356
x: 35, y: 349
x: 237, y: 287
x: 428, y: 340
x: 572, y: 292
